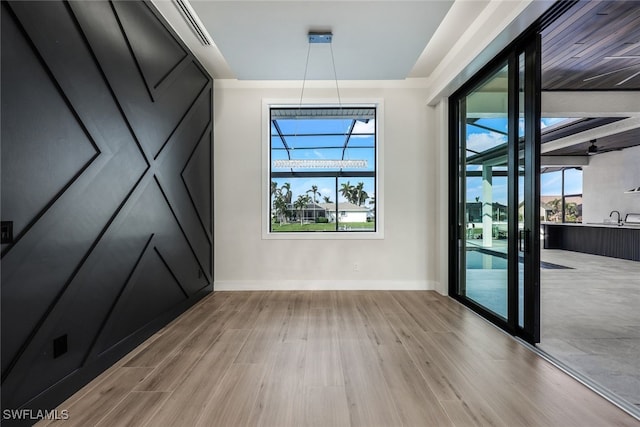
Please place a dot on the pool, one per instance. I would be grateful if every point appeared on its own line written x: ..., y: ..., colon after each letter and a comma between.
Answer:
x: 485, y: 261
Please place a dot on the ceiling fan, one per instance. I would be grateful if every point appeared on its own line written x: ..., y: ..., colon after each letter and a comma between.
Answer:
x: 593, y: 149
x: 628, y: 67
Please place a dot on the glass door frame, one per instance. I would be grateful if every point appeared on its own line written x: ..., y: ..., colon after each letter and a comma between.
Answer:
x: 529, y: 240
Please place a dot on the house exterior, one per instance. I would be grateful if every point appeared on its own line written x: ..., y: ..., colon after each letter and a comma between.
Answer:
x: 310, y: 213
x: 347, y: 212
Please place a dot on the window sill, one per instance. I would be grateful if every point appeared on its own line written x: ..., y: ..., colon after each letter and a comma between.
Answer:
x: 324, y: 235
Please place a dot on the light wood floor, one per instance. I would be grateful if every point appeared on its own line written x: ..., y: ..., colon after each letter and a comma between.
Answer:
x: 335, y: 359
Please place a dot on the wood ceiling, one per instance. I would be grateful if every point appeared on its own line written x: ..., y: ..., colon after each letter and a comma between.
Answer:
x: 595, y: 45
x: 617, y: 142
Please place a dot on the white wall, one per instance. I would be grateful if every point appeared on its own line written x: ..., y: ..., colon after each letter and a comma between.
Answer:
x: 407, y: 256
x: 606, y: 179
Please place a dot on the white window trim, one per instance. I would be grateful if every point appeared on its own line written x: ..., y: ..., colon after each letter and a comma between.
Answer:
x: 267, y: 104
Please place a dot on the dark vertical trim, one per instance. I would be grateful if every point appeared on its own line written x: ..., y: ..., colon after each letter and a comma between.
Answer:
x: 533, y: 111
x: 454, y: 118
x: 513, y: 151
x: 269, y: 151
x: 336, y: 211
x: 377, y: 169
x: 563, y: 212
x: 460, y: 202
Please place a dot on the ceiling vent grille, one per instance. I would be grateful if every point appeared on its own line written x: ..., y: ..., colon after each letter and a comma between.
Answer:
x: 194, y: 23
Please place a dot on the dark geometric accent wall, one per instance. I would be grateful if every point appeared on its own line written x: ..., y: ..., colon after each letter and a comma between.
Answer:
x: 106, y: 180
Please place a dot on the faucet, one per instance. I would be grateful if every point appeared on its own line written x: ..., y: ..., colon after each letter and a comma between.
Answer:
x: 612, y: 212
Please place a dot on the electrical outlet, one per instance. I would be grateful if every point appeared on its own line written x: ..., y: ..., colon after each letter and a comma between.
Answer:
x: 7, y: 232
x: 356, y: 267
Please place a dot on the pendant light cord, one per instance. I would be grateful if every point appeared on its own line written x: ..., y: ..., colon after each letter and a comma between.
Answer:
x: 335, y: 75
x: 306, y: 69
x: 304, y: 78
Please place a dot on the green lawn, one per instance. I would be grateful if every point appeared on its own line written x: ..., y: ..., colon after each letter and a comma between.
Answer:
x: 351, y: 226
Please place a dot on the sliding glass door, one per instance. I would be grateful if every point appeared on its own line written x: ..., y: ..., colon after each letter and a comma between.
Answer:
x: 484, y: 205
x: 495, y: 260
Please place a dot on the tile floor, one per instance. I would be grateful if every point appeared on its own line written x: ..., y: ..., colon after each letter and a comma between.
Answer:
x: 590, y: 319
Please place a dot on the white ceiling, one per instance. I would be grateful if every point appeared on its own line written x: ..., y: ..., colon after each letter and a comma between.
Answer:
x: 372, y: 40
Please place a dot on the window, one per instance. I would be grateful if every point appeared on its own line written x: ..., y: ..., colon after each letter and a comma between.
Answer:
x: 322, y: 170
x: 561, y: 195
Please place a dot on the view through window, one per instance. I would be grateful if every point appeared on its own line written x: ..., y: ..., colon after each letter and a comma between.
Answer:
x: 561, y: 195
x: 561, y: 187
x: 322, y: 169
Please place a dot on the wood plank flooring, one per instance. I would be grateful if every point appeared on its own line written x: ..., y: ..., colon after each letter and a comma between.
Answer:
x: 334, y: 358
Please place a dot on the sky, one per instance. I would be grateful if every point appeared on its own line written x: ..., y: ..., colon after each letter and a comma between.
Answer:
x: 330, y: 147
x: 480, y: 139
x: 304, y: 146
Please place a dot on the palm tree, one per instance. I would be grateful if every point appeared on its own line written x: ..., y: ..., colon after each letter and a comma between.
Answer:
x: 281, y: 200
x: 571, y: 212
x: 347, y: 191
x: 556, y: 204
x: 274, y: 191
x: 280, y: 207
x: 359, y: 195
x: 300, y: 204
x: 327, y: 199
x: 287, y: 194
x: 314, y: 190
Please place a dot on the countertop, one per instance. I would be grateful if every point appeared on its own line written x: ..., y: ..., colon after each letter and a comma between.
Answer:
x: 594, y: 224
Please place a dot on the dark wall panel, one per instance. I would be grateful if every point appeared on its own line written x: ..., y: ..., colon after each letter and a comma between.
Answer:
x: 616, y: 242
x: 106, y: 177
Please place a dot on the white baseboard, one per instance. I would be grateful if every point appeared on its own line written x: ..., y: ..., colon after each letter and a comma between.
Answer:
x: 324, y: 285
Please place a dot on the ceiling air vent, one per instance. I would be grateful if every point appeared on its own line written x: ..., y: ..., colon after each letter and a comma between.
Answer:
x: 194, y: 22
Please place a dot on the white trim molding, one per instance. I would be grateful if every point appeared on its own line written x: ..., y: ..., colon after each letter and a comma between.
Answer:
x: 324, y: 285
x: 378, y: 103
